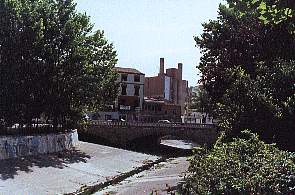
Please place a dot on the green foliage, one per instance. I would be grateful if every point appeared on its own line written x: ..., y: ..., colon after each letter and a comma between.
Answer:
x: 271, y: 12
x: 239, y: 40
x: 242, y: 165
x: 247, y: 71
x: 51, y: 62
x: 199, y: 100
x: 264, y: 103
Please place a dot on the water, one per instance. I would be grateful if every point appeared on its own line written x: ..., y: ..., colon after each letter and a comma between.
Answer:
x: 180, y: 144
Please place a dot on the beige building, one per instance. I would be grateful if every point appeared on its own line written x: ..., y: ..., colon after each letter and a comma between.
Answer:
x: 197, y: 118
x: 129, y: 101
x: 131, y: 92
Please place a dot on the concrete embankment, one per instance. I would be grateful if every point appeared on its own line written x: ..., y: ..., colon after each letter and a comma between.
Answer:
x: 22, y: 146
x: 163, y: 178
x: 86, y: 166
x: 117, y: 179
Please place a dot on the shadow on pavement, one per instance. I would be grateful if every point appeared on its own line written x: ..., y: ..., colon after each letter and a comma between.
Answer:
x: 9, y: 168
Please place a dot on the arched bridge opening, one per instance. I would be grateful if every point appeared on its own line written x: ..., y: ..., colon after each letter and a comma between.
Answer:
x: 148, y: 134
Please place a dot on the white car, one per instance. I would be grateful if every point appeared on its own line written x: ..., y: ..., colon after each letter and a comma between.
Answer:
x: 164, y: 121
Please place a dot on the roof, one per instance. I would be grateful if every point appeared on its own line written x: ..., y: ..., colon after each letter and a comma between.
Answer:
x: 127, y: 70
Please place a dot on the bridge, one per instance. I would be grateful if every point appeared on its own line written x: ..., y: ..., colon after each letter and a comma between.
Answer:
x: 123, y: 134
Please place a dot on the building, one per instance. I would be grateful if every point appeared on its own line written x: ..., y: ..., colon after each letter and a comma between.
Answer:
x: 150, y: 99
x: 131, y: 93
x: 129, y: 101
x: 155, y: 110
x: 193, y: 114
x: 197, y: 118
x: 167, y: 86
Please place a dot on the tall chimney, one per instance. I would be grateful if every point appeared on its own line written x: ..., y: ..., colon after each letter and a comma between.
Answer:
x: 180, y: 71
x: 179, y: 88
x: 162, y: 64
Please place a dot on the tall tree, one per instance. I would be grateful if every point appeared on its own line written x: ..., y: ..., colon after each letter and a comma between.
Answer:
x: 245, y: 66
x: 236, y: 39
x: 51, y: 62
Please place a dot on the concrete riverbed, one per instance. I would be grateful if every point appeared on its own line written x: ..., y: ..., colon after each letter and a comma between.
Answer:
x: 161, y: 179
x: 92, y: 168
x: 88, y: 165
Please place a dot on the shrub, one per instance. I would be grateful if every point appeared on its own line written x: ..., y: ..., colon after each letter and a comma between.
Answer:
x: 242, y: 165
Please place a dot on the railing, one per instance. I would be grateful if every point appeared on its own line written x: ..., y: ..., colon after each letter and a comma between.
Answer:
x: 27, y: 131
x: 139, y: 124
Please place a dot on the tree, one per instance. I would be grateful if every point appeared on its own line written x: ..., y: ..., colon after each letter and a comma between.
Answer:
x: 264, y: 104
x: 238, y: 40
x: 269, y: 12
x: 239, y: 49
x: 51, y: 62
x: 199, y: 99
x: 243, y: 165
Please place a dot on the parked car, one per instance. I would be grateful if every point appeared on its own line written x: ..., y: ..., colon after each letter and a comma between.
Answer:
x: 164, y: 121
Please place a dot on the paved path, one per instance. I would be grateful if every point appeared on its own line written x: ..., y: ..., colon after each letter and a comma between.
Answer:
x: 88, y: 164
x: 162, y: 179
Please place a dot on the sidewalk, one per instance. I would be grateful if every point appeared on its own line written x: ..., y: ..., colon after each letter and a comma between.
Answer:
x: 89, y: 164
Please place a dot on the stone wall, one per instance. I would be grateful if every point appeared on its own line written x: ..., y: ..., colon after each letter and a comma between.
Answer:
x: 20, y: 146
x: 122, y: 135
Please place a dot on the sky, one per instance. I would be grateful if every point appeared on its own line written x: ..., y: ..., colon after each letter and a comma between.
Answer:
x: 143, y: 31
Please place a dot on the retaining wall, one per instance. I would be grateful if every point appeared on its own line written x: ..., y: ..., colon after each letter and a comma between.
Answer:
x: 120, y: 135
x: 20, y: 146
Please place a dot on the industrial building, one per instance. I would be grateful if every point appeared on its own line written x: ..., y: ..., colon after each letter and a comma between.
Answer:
x: 168, y: 86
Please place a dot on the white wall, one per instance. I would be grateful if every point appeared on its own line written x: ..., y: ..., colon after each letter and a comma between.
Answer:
x: 167, y: 88
x: 18, y: 146
x: 196, y: 117
x: 130, y: 86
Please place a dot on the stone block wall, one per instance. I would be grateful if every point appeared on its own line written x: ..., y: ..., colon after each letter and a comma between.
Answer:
x: 122, y: 135
x: 20, y: 146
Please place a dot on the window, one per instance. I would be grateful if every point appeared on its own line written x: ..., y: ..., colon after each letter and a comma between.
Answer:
x: 108, y: 117
x: 124, y: 77
x: 95, y: 116
x: 122, y: 102
x: 136, y: 90
x: 136, y: 78
x: 136, y: 103
x: 124, y: 89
